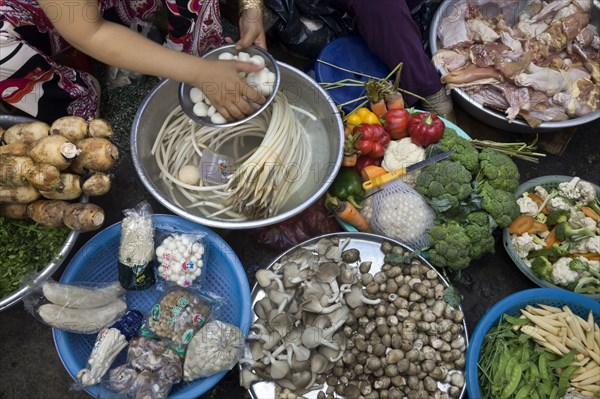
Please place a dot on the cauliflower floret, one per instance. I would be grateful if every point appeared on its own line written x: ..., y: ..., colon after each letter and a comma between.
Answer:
x: 527, y: 205
x: 589, y: 244
x: 594, y: 264
x: 562, y: 273
x: 403, y: 153
x: 578, y: 219
x: 577, y: 190
x: 557, y: 204
x: 524, y: 244
x: 541, y: 192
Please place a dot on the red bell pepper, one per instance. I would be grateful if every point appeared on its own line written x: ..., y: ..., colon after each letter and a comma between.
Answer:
x: 425, y: 128
x: 372, y: 139
x: 365, y: 160
x: 395, y: 122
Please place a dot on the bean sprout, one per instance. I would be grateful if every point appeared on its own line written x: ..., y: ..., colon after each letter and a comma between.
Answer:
x: 262, y: 180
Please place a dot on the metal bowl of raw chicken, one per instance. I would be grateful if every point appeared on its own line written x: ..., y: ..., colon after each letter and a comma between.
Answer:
x: 516, y: 108
x: 325, y: 137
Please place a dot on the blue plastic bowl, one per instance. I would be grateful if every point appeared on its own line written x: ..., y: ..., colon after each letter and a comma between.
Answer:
x: 512, y: 304
x: 96, y: 261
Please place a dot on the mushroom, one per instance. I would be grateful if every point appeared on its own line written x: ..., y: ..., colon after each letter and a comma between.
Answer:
x: 282, y: 323
x: 348, y: 275
x: 305, y: 258
x: 331, y: 354
x: 328, y: 273
x: 265, y: 277
x: 269, y: 338
x: 313, y: 304
x: 318, y: 364
x: 301, y: 378
x: 292, y: 275
x: 247, y: 378
x: 323, y: 328
x: 355, y: 298
x: 263, y: 307
x: 279, y: 368
x: 280, y: 299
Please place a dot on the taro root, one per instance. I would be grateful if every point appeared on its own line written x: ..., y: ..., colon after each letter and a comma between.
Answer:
x: 54, y: 150
x: 26, y: 133
x: 72, y: 127
x: 97, y: 154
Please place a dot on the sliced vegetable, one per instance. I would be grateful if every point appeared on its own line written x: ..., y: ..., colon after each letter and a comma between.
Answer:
x: 521, y: 224
x: 371, y: 171
x: 589, y: 212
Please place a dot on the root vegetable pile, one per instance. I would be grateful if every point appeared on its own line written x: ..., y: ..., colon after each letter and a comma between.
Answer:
x: 326, y: 323
x: 263, y: 179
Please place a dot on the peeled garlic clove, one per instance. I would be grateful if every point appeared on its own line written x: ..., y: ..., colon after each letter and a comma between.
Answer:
x: 226, y: 56
x: 217, y: 118
x: 200, y: 109
x: 243, y: 56
x: 196, y: 95
x: 257, y: 60
x: 211, y: 111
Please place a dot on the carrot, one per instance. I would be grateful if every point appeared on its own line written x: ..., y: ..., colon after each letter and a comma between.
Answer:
x: 537, y: 227
x: 539, y: 201
x: 521, y: 224
x: 589, y: 212
x: 395, y: 101
x: 346, y: 212
x: 551, y: 238
x: 350, y: 160
x: 379, y: 108
x: 372, y: 171
x: 587, y: 255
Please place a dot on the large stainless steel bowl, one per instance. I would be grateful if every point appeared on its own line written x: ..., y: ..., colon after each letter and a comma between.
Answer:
x: 327, y: 137
x: 487, y: 115
x: 13, y: 298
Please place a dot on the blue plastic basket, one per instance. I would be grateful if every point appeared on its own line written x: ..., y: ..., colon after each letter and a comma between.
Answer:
x: 512, y: 304
x: 96, y: 261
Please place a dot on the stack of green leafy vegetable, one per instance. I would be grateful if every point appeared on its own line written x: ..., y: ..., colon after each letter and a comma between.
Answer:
x: 26, y: 247
x: 512, y: 365
x: 472, y: 194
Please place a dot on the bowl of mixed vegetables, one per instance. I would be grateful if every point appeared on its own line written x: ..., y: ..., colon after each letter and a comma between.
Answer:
x: 555, y: 241
x: 541, y: 342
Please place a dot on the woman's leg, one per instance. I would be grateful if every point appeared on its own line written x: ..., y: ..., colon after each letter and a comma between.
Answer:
x: 194, y: 25
x: 391, y: 34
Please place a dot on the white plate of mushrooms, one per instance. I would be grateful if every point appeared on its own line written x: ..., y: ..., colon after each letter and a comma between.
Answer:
x: 353, y: 315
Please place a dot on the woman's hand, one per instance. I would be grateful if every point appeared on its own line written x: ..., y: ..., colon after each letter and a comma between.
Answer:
x: 227, y: 92
x: 252, y: 30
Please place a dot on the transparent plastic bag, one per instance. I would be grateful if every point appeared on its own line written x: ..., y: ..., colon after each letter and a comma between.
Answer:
x: 136, y: 249
x: 83, y: 308
x: 178, y: 315
x: 152, y: 368
x: 401, y: 213
x: 180, y: 256
x: 220, y: 342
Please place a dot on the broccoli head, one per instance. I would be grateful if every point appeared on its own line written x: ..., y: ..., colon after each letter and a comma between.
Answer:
x: 498, y: 170
x: 449, y: 246
x: 581, y: 267
x: 444, y: 184
x: 565, y: 232
x: 500, y: 204
x: 556, y: 217
x: 479, y: 227
x: 553, y: 253
x: 465, y: 153
x: 542, y: 268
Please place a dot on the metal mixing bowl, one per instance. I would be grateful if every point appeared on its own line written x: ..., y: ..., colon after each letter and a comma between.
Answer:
x: 327, y: 137
x: 487, y: 115
x: 13, y: 298
x: 270, y: 63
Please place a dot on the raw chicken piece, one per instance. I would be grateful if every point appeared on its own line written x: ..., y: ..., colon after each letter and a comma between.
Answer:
x: 532, y: 8
x: 481, y: 31
x: 471, y: 74
x: 565, y: 12
x: 453, y: 31
x: 490, y: 96
x: 450, y: 60
x: 585, y: 5
x: 529, y: 30
x: 510, y: 68
x: 547, y: 80
x: 508, y: 40
x: 485, y: 55
x: 550, y: 9
x: 583, y: 98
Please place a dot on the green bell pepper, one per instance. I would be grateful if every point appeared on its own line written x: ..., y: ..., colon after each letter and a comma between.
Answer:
x: 347, y: 186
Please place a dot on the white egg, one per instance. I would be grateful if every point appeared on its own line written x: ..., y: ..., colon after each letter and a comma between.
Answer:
x: 243, y: 56
x: 171, y: 245
x: 257, y: 60
x: 225, y: 56
x: 189, y: 174
x: 200, y: 109
x: 217, y: 118
x: 161, y: 269
x: 197, y: 272
x: 196, y: 95
x: 194, y: 259
x: 160, y: 250
x: 185, y: 240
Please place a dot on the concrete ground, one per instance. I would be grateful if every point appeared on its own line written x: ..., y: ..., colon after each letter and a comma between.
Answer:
x: 30, y: 367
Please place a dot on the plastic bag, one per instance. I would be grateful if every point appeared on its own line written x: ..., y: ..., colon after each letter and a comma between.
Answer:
x: 180, y: 256
x: 136, y: 249
x: 220, y: 342
x: 109, y: 343
x: 177, y: 316
x: 83, y: 308
x: 307, y: 34
x: 150, y: 372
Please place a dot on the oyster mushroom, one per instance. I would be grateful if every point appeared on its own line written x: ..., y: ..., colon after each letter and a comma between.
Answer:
x: 263, y: 307
x: 266, y: 277
x: 313, y: 304
x: 247, y: 378
x: 355, y: 298
x: 282, y: 323
x: 328, y: 273
x: 292, y: 275
x: 318, y: 364
x: 331, y: 354
x: 269, y: 338
x: 280, y: 299
x: 279, y: 368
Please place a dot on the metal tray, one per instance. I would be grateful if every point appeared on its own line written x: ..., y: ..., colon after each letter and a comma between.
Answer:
x: 369, y: 247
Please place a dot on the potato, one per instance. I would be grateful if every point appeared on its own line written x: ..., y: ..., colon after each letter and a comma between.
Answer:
x: 19, y: 195
x: 70, y: 188
x: 99, y: 127
x: 13, y: 170
x: 14, y: 211
x: 97, y: 183
x: 48, y: 212
x: 18, y: 149
x: 27, y: 132
x: 45, y: 177
x: 97, y: 154
x: 83, y: 217
x: 54, y: 150
x: 72, y: 127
